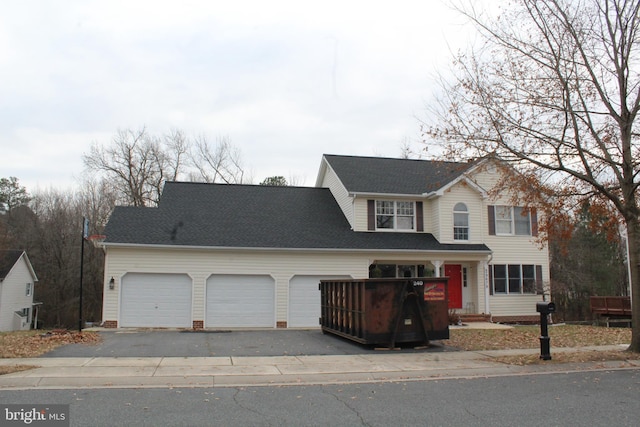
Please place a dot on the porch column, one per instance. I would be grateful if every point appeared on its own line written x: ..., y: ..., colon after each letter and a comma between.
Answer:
x: 485, y: 268
x: 437, y: 264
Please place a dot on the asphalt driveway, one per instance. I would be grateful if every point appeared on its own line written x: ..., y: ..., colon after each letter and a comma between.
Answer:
x: 171, y: 343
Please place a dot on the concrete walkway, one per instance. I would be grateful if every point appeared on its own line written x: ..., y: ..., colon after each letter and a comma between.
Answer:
x: 134, y: 372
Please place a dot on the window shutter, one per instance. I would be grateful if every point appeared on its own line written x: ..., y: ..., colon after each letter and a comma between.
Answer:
x: 539, y: 287
x: 419, y: 217
x: 492, y: 220
x: 371, y: 215
x: 490, y: 278
x: 534, y: 222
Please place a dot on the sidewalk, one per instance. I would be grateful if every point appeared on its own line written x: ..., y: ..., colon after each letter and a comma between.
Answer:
x: 159, y: 372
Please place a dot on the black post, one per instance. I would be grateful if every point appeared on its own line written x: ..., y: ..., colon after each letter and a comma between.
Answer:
x: 85, y: 234
x: 545, y: 353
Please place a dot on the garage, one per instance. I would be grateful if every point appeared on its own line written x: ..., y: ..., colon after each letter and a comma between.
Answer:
x: 304, y: 300
x: 240, y: 301
x: 156, y: 300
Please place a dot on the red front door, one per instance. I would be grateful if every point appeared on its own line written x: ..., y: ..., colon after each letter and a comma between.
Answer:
x: 454, y: 272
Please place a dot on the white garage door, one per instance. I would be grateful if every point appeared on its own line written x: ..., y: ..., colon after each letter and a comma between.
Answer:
x: 156, y: 300
x: 304, y: 300
x: 240, y: 301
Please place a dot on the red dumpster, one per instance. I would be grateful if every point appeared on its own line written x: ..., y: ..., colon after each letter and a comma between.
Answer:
x: 386, y: 311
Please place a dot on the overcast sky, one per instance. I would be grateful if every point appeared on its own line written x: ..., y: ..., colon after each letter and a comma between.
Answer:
x: 286, y: 81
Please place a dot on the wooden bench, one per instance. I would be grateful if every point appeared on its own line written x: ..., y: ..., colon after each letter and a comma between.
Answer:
x: 611, y: 309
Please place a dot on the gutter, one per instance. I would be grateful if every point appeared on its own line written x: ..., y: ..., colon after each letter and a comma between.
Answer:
x: 267, y: 249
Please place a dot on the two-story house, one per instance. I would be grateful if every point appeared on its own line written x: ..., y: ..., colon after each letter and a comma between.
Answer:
x: 17, y: 279
x: 220, y: 256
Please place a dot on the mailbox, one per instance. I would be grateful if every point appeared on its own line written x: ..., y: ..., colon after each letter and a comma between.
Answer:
x: 545, y: 307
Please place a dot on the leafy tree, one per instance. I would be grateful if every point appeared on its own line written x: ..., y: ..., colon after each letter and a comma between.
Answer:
x: 554, y: 89
x: 12, y: 194
x: 278, y: 181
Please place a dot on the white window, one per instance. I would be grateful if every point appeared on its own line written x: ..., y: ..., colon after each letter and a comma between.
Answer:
x: 460, y: 222
x: 394, y: 215
x: 29, y: 289
x: 512, y: 221
x: 514, y: 278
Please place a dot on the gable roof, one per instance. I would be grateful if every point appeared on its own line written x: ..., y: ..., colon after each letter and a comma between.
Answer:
x: 252, y: 216
x: 379, y: 175
x: 9, y: 258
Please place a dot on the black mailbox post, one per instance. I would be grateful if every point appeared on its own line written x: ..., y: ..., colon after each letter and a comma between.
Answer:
x: 545, y: 308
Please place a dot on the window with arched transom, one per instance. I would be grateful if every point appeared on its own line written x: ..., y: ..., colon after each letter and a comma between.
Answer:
x: 460, y: 222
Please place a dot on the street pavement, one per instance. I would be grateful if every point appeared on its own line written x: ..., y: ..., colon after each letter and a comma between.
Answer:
x: 358, y: 364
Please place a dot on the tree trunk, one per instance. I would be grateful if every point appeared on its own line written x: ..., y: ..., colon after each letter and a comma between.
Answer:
x: 633, y: 234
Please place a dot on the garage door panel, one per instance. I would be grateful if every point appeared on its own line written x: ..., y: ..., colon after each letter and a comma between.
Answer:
x: 304, y: 300
x: 240, y: 301
x: 156, y: 300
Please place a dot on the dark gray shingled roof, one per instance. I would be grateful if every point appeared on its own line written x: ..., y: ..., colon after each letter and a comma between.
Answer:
x: 252, y: 216
x: 378, y: 175
x: 7, y: 260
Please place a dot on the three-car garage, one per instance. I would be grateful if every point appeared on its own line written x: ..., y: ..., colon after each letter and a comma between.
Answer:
x: 231, y: 300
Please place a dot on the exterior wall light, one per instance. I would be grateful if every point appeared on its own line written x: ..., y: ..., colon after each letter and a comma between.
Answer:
x: 112, y: 283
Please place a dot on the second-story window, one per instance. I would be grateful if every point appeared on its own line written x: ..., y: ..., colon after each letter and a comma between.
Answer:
x: 510, y: 221
x: 460, y: 222
x: 395, y: 215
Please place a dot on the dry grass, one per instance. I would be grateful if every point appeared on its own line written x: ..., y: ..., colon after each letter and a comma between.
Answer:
x: 36, y: 343
x: 528, y: 337
x: 561, y: 336
x: 572, y: 357
x: 15, y: 368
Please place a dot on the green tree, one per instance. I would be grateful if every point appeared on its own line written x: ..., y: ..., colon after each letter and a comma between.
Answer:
x: 12, y: 194
x: 585, y: 263
x: 554, y: 89
x: 278, y: 181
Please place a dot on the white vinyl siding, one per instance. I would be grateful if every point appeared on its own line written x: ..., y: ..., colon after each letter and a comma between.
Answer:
x: 13, y: 296
x: 331, y: 181
x: 507, y: 305
x: 201, y: 264
x: 446, y: 204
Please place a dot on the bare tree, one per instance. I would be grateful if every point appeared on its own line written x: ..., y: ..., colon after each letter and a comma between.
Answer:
x: 221, y: 162
x: 555, y: 87
x: 137, y: 164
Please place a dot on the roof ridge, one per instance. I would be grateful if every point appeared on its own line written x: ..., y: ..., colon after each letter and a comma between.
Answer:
x: 401, y: 159
x: 224, y: 184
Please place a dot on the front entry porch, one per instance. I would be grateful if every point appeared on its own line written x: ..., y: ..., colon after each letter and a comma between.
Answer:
x: 466, y: 291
